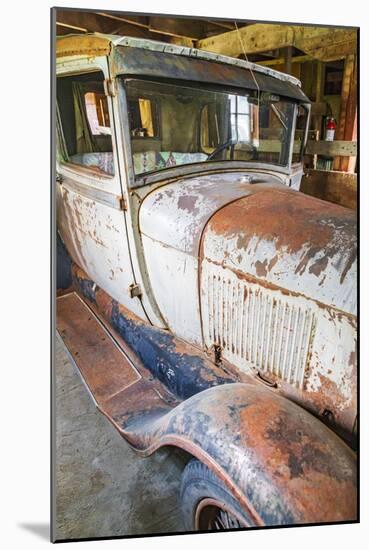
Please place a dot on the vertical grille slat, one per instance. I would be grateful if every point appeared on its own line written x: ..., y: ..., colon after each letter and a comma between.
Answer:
x: 262, y: 362
x: 277, y: 308
x: 299, y: 347
x: 241, y: 306
x: 292, y: 352
x: 257, y: 327
x: 268, y: 337
x: 281, y: 339
x: 286, y: 342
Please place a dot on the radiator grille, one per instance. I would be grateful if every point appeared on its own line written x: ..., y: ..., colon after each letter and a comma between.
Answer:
x: 257, y: 326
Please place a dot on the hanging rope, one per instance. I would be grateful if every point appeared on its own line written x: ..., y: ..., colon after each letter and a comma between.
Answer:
x: 244, y: 53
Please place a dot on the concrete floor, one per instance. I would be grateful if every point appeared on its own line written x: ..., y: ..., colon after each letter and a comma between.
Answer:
x: 102, y: 487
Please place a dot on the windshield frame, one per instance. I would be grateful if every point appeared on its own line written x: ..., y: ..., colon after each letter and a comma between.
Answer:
x: 135, y: 181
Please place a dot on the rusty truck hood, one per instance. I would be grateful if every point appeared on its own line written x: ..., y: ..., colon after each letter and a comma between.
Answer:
x: 289, y: 240
x: 262, y: 229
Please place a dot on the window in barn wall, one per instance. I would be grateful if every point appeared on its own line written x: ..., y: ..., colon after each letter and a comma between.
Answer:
x: 333, y: 78
x: 97, y: 113
x: 240, y: 118
x: 242, y: 122
x: 209, y: 125
x: 143, y: 118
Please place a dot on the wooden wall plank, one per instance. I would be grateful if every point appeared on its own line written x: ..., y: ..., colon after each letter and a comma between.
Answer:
x: 337, y: 187
x: 332, y: 148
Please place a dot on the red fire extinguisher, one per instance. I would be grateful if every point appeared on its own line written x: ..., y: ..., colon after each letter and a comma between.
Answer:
x: 330, y: 129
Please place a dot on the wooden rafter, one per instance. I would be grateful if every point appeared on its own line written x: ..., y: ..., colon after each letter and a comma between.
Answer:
x: 178, y: 28
x: 135, y: 22
x: 106, y: 23
x: 70, y: 27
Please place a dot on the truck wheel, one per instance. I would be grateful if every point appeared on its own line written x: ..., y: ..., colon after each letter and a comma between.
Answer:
x: 207, y: 505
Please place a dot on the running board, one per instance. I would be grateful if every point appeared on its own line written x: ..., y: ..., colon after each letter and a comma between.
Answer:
x: 121, y: 390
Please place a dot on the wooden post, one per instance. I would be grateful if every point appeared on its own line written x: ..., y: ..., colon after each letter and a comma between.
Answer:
x: 315, y: 157
x: 320, y: 82
x: 347, y: 127
x: 316, y: 123
x: 319, y: 93
x: 348, y: 164
x: 288, y: 60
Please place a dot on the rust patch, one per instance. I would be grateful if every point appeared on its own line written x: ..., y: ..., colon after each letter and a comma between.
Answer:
x: 328, y: 396
x: 103, y: 366
x: 295, y: 223
x: 295, y: 459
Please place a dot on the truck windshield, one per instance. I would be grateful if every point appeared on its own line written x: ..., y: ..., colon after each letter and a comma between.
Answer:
x: 173, y: 125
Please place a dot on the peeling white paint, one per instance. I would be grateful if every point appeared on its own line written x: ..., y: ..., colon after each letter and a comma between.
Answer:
x: 176, y: 214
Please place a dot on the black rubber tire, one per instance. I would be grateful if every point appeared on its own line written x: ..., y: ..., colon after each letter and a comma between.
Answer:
x: 199, y: 483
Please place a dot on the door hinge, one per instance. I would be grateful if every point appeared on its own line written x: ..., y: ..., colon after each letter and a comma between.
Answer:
x: 109, y: 87
x: 135, y: 290
x: 123, y: 203
x: 59, y: 178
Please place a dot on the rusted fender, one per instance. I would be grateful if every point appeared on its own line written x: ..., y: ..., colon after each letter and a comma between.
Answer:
x: 283, y: 464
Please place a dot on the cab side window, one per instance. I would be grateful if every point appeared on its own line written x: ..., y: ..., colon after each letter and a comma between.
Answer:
x: 83, y: 115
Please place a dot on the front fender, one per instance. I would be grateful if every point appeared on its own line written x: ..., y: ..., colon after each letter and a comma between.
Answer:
x: 284, y: 465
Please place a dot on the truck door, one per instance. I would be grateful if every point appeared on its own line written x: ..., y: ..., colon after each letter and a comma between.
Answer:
x: 90, y: 209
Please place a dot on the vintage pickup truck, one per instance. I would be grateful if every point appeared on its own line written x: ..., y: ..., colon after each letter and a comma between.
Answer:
x: 207, y: 303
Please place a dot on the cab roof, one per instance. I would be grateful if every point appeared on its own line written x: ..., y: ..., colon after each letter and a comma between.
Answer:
x: 96, y: 44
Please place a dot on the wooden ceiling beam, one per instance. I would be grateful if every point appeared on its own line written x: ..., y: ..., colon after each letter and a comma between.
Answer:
x: 86, y: 20
x: 281, y: 60
x: 222, y: 24
x: 334, y: 52
x: 322, y: 43
x: 256, y: 38
x: 181, y: 41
